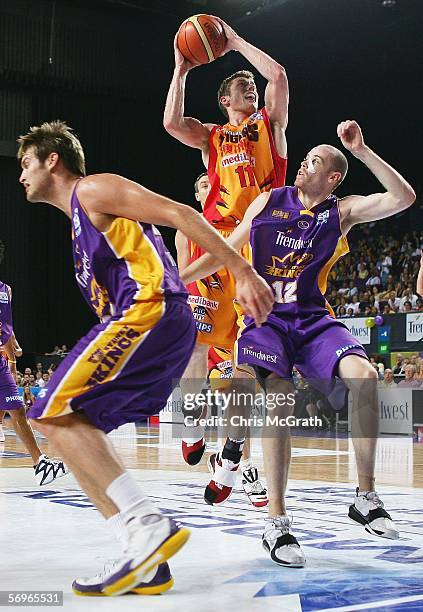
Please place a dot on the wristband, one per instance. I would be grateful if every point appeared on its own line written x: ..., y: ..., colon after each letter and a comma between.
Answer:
x: 11, y: 361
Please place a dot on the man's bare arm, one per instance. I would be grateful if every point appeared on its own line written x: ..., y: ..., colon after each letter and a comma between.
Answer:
x: 276, y: 96
x: 111, y: 195
x: 360, y: 209
x: 420, y: 278
x: 207, y: 264
x: 187, y: 130
x: 182, y: 250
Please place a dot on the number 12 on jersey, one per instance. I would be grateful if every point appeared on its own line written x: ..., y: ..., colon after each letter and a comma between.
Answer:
x: 285, y: 293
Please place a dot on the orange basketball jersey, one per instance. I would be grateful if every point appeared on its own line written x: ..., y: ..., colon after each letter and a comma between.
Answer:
x: 243, y: 162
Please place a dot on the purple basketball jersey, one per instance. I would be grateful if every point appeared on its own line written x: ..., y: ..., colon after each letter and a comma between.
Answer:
x: 128, y: 263
x: 295, y: 248
x: 6, y: 325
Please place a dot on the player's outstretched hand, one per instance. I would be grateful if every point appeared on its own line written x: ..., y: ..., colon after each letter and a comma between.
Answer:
x: 351, y: 136
x: 182, y: 64
x: 254, y: 295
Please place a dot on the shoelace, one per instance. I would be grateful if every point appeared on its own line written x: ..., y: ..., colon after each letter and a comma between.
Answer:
x: 374, y: 498
x: 107, y: 568
x: 257, y: 487
x: 280, y: 523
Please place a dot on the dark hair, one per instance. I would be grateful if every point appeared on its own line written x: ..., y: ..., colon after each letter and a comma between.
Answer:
x: 225, y: 86
x: 54, y: 137
x: 197, y: 180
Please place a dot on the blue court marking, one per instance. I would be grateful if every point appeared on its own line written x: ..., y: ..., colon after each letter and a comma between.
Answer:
x: 384, y: 570
x: 13, y: 454
x: 410, y: 606
x: 335, y: 589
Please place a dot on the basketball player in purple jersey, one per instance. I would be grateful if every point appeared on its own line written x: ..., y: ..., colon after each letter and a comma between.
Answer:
x: 297, y: 234
x: 18, y: 353
x: 124, y: 369
x: 46, y: 470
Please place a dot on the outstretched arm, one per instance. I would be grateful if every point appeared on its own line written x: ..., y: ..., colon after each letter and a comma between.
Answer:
x: 207, y: 264
x: 182, y: 250
x: 108, y: 194
x: 276, y: 96
x: 360, y: 209
x: 420, y: 278
x: 187, y: 130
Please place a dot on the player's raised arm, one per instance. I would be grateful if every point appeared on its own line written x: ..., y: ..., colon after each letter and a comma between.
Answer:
x: 399, y: 193
x: 187, y: 130
x: 109, y: 194
x: 208, y: 264
x: 182, y: 251
x: 419, y: 288
x: 276, y: 96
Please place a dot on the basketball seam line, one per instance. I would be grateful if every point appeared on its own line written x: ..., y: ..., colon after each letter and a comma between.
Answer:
x: 188, y: 47
x: 200, y: 32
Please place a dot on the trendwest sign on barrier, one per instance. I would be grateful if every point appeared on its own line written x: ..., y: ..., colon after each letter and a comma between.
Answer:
x: 357, y: 327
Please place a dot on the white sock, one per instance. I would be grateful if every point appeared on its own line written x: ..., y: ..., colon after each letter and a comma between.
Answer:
x: 129, y: 498
x: 118, y: 527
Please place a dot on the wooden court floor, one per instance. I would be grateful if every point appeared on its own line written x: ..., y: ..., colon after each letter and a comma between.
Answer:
x: 399, y: 459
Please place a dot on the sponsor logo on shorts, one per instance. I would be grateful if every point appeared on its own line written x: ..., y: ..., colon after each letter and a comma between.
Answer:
x: 259, y: 355
x: 281, y: 214
x: 96, y: 356
x: 344, y: 349
x: 111, y: 354
x: 202, y: 301
x: 199, y: 313
x: 4, y: 297
x: 14, y: 398
x: 205, y: 328
x: 223, y: 365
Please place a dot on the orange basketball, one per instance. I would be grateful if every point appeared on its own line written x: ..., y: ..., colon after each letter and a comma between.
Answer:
x: 201, y: 39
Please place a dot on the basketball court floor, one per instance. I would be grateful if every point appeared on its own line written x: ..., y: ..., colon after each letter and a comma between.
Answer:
x: 50, y: 535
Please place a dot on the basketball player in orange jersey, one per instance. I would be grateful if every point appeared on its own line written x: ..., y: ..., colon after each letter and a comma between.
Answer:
x: 219, y: 359
x: 244, y: 157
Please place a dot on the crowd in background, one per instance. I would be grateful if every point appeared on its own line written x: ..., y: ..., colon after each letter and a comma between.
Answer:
x: 32, y: 381
x: 403, y: 372
x: 378, y: 276
x: 63, y: 350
